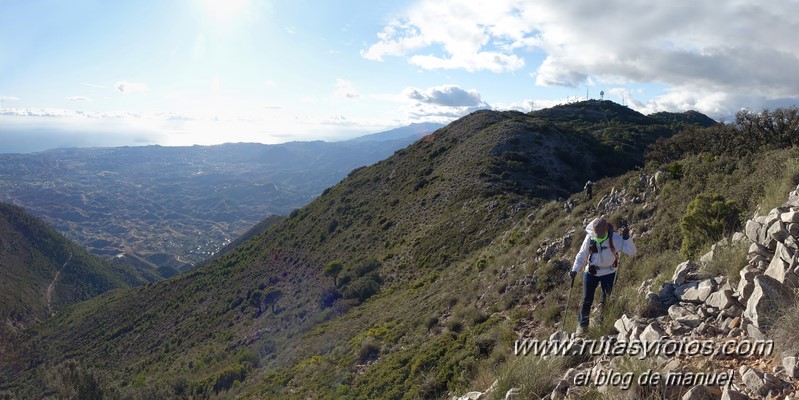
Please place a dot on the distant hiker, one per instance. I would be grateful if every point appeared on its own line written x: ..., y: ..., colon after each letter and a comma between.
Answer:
x: 600, y: 252
x: 589, y: 189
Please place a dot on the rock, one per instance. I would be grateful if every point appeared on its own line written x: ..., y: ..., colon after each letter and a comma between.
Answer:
x: 471, y: 396
x: 781, y: 269
x: 682, y: 271
x: 791, y: 366
x: 685, y: 316
x: 767, y: 222
x: 730, y: 394
x: 791, y: 246
x: 721, y: 299
x: 734, y: 311
x: 675, y: 328
x: 777, y: 231
x: 667, y: 295
x: 753, y: 231
x: 652, y: 333
x: 793, y: 229
x: 734, y: 323
x: 790, y: 216
x: 754, y: 382
x: 755, y: 333
x: 562, y: 389
x: 624, y: 326
x: 696, y: 292
x: 747, y: 283
x: 699, y: 393
x: 767, y: 296
x: 757, y: 249
x: 738, y: 237
x: 512, y: 393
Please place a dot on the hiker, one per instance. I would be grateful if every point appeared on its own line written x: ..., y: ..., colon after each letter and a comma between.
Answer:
x: 599, y: 252
x: 588, y: 188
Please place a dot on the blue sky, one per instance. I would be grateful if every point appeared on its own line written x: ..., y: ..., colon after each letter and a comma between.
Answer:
x: 211, y: 71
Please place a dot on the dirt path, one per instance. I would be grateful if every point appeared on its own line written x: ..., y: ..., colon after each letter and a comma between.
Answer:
x: 52, y: 286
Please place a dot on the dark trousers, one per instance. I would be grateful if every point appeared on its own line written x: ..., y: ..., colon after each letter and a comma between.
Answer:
x: 590, y: 282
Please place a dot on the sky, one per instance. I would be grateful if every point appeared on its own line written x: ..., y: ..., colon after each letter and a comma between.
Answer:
x: 182, y: 72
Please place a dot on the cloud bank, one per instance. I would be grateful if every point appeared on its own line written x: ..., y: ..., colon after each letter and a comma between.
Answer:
x: 712, y: 56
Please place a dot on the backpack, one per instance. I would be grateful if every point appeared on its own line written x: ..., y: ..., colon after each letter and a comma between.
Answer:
x: 595, y: 249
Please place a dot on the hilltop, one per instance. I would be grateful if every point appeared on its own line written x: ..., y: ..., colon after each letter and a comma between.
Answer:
x: 422, y: 288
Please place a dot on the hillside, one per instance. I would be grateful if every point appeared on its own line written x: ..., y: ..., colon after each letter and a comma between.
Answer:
x: 169, y: 208
x: 421, y: 288
x: 41, y: 273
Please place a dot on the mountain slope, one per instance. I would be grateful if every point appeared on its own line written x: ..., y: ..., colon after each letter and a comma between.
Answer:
x: 172, y: 207
x: 401, y: 228
x: 413, y: 131
x: 41, y: 272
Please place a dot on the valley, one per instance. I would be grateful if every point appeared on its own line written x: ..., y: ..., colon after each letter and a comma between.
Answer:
x: 169, y: 208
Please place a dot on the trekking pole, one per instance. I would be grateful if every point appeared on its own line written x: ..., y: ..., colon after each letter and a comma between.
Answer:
x: 568, y: 300
x: 618, y: 258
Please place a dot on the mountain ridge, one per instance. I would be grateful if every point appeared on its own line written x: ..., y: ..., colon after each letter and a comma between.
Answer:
x: 398, y: 226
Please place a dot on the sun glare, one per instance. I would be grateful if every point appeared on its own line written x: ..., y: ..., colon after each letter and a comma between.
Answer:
x: 224, y: 10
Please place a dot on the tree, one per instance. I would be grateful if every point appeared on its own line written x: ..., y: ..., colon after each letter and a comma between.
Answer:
x: 257, y: 299
x: 334, y: 268
x: 708, y: 218
x: 272, y: 296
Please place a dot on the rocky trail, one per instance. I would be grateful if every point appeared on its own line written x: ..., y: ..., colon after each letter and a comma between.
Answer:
x: 697, y: 337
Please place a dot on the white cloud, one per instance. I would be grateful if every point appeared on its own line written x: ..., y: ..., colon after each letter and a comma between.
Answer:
x: 441, y: 103
x: 9, y: 98
x: 472, y: 35
x: 345, y: 90
x: 445, y: 95
x: 78, y: 98
x: 126, y: 87
x: 707, y: 54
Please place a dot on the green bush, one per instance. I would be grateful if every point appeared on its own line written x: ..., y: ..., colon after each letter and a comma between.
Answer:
x: 708, y: 218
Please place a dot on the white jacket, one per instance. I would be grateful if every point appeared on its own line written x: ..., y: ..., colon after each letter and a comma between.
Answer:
x: 604, y: 258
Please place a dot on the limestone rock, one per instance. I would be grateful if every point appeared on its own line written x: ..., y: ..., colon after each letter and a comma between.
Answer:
x: 472, y: 396
x: 721, y: 299
x: 755, y: 333
x: 791, y: 366
x: 767, y: 296
x: 781, y: 267
x: 754, y: 382
x: 777, y: 231
x: 682, y: 314
x: 757, y: 249
x: 667, y: 295
x: 747, y: 283
x: 652, y: 333
x: 753, y: 231
x: 793, y: 229
x: 682, y: 271
x: 790, y: 216
x: 699, y: 393
x: 562, y: 389
x: 624, y: 326
x: 730, y: 394
x: 696, y: 292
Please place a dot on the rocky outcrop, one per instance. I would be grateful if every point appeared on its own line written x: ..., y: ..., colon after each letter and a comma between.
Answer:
x: 729, y: 318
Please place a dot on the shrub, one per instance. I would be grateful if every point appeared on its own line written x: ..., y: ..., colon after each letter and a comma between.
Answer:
x: 708, y: 218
